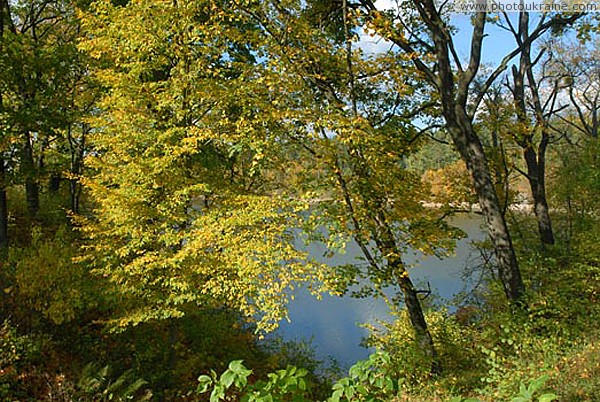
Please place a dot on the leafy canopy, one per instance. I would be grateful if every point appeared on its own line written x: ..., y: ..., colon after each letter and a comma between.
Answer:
x: 185, y: 138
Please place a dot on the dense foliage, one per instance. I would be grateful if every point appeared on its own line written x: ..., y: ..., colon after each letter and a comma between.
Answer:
x: 164, y: 163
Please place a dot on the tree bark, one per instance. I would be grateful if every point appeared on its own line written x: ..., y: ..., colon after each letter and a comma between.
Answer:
x: 4, y: 243
x: 28, y: 169
x: 416, y: 316
x: 472, y: 153
x: 535, y: 160
x: 5, y: 19
x: 536, y: 178
x: 454, y: 96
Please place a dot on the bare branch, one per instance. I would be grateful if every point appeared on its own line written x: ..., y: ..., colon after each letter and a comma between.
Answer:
x: 539, y: 31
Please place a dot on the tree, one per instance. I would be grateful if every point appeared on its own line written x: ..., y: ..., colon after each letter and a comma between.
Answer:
x: 355, y: 133
x: 543, y: 108
x: 205, y: 104
x: 434, y: 54
x: 579, y: 65
x: 5, y: 24
x: 184, y: 214
x: 39, y: 73
x: 576, y: 62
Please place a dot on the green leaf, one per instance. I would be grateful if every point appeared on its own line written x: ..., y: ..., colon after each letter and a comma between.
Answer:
x: 349, y: 392
x: 536, y: 384
x: 204, y: 383
x: 217, y: 393
x: 236, y: 366
x: 548, y: 398
x: 336, y: 396
x: 361, y: 389
x: 301, y: 384
x: 240, y: 372
x: 227, y: 378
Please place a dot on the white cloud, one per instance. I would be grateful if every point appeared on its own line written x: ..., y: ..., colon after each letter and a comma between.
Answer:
x: 373, y: 44
x: 385, y: 4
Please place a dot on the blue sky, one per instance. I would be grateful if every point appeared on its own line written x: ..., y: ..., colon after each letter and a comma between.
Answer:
x: 497, y: 44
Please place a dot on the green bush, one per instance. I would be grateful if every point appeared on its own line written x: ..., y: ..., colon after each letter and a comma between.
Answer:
x: 368, y: 381
x: 97, y: 385
x: 49, y: 282
x: 15, y: 352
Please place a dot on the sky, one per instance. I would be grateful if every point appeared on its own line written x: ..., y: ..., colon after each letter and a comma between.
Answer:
x: 497, y: 44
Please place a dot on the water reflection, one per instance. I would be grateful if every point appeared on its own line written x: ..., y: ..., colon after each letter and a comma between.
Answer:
x: 333, y: 323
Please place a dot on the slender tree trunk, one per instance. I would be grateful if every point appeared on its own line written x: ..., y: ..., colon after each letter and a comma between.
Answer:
x: 3, y: 213
x: 76, y: 147
x: 397, y: 270
x: 385, y: 238
x: 534, y: 159
x: 536, y: 178
x: 5, y: 19
x: 416, y: 316
x: 32, y: 189
x: 75, y: 190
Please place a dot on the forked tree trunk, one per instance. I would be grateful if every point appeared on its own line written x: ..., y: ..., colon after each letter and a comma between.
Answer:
x: 534, y: 159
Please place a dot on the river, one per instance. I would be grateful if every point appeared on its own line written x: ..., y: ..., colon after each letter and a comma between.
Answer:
x: 332, y: 324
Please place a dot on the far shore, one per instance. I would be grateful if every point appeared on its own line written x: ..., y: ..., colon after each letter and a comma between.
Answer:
x: 522, y: 207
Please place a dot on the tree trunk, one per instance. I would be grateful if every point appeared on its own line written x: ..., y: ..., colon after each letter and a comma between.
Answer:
x: 397, y: 270
x: 54, y: 182
x: 76, y: 147
x: 383, y: 237
x: 535, y: 160
x: 416, y: 316
x: 471, y: 151
x: 32, y: 190
x: 3, y: 213
x: 75, y: 191
x: 5, y: 18
x: 537, y: 183
x: 454, y: 95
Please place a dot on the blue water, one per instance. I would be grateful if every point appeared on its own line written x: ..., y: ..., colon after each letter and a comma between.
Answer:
x: 332, y: 324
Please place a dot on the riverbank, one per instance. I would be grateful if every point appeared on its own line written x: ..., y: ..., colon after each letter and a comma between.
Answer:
x: 465, y: 207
